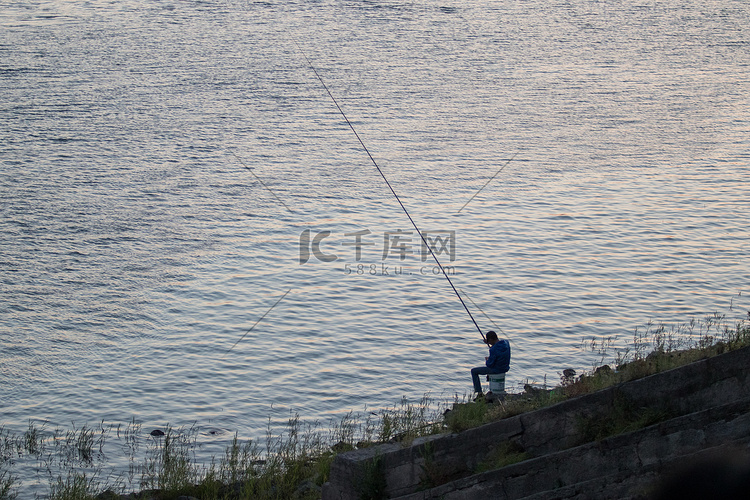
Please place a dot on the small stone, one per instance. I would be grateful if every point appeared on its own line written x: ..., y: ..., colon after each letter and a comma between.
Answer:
x: 148, y: 495
x: 568, y: 377
x: 531, y: 390
x: 493, y: 398
x: 108, y: 495
x: 341, y: 447
x: 157, y: 432
x: 603, y: 370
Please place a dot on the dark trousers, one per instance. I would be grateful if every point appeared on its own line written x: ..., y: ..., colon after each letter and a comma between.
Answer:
x: 481, y: 370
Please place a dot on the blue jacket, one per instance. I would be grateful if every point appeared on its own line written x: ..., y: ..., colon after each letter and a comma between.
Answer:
x: 499, y: 358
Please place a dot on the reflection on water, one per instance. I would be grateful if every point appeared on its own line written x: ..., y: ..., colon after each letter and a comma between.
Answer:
x: 137, y: 248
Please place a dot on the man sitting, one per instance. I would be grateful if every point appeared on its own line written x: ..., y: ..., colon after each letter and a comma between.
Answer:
x: 497, y: 362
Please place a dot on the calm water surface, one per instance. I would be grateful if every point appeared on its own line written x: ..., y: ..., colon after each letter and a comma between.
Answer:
x: 136, y: 249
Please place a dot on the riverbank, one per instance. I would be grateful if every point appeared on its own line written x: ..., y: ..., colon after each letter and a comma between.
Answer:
x: 299, y: 463
x: 619, y: 442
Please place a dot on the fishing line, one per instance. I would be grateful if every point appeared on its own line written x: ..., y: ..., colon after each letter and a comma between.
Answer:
x: 488, y: 181
x: 486, y: 316
x: 481, y: 311
x: 259, y: 319
x: 391, y: 188
x: 261, y: 181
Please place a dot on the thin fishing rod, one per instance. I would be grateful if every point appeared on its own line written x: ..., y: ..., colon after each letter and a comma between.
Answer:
x: 392, y: 190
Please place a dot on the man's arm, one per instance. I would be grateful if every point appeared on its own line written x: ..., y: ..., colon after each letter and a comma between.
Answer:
x: 498, y: 353
x: 490, y: 360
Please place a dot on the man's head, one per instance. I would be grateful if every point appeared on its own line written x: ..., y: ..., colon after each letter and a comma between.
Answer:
x: 491, y: 338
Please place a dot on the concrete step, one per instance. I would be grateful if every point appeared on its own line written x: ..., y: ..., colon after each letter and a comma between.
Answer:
x: 707, y: 383
x: 623, y: 466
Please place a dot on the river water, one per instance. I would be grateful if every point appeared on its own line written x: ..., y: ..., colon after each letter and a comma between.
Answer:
x: 172, y: 172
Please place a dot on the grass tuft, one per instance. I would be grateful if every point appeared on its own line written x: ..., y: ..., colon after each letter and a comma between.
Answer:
x: 465, y: 415
x: 507, y: 453
x: 74, y: 487
x: 621, y: 417
x: 170, y: 466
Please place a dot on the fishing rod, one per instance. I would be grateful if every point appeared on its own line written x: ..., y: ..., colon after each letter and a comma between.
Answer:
x: 424, y: 240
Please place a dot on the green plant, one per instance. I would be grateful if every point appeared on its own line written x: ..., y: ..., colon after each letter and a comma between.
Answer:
x: 531, y: 399
x: 323, y: 468
x: 79, y: 447
x: 7, y: 479
x: 620, y: 417
x: 466, y: 415
x: 74, y: 487
x: 239, y: 462
x: 507, y: 453
x: 372, y: 484
x: 433, y: 473
x: 169, y: 466
x: 294, y: 465
x: 33, y: 440
x: 430, y: 474
x: 6, y: 485
x: 408, y: 421
x: 386, y: 429
x: 84, y: 444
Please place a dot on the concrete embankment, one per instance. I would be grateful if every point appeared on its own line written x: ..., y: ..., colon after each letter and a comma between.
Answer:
x: 678, y: 415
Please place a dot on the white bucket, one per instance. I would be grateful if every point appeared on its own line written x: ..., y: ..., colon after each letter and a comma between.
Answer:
x: 497, y: 383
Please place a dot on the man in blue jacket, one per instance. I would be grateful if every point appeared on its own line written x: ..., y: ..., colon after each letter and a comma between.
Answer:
x: 497, y: 362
